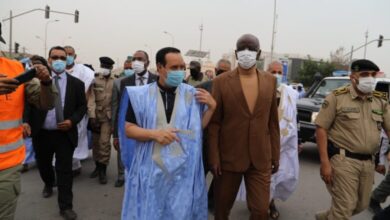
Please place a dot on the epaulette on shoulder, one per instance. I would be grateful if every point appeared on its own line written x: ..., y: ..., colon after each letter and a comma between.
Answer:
x: 340, y: 91
x: 381, y: 95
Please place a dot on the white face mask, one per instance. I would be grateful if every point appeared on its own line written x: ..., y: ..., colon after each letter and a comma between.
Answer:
x: 138, y: 66
x: 246, y: 58
x: 105, y: 71
x: 366, y: 84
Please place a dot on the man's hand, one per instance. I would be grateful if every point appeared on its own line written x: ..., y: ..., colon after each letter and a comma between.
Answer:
x: 204, y: 97
x: 380, y: 169
x: 216, y: 170
x: 115, y: 142
x: 326, y: 173
x: 165, y: 136
x: 42, y: 73
x: 65, y: 125
x: 26, y: 130
x: 275, y: 166
x: 7, y: 85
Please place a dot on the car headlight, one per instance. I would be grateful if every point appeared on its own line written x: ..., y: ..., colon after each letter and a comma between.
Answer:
x: 313, y: 117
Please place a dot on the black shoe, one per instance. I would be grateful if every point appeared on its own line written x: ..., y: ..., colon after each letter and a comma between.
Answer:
x: 47, y: 192
x: 119, y: 182
x: 76, y: 172
x: 68, y: 214
x: 102, y: 174
x: 95, y: 172
x: 375, y: 206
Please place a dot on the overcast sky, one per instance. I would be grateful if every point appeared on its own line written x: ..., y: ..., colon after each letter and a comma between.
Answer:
x: 117, y: 28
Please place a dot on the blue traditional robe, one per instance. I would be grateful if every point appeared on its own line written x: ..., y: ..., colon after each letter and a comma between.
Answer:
x: 163, y: 182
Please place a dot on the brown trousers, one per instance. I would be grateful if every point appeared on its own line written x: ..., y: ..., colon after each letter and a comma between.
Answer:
x: 257, y: 184
x: 352, y: 185
x: 101, y: 148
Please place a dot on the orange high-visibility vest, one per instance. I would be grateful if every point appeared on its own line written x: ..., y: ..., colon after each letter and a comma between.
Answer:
x: 12, y: 150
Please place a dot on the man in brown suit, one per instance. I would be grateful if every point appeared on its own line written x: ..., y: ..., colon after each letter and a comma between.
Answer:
x: 244, y: 133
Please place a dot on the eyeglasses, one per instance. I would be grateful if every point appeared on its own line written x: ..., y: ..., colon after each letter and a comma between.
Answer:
x: 58, y: 57
x: 276, y: 72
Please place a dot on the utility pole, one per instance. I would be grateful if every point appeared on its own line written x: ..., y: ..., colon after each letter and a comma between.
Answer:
x: 365, y: 47
x: 273, y: 32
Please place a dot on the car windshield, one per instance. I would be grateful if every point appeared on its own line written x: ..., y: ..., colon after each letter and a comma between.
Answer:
x: 328, y: 85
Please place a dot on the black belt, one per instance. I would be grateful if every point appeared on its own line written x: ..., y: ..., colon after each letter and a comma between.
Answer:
x: 332, y: 150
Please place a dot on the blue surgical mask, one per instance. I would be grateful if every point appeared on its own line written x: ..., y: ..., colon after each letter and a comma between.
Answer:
x: 129, y: 72
x: 58, y: 66
x: 69, y: 60
x: 279, y: 79
x: 174, y: 78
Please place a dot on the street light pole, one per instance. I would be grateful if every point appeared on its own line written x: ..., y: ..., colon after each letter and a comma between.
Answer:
x: 273, y: 33
x: 10, y: 31
x: 365, y: 47
x: 201, y: 36
x: 47, y: 24
x: 173, y: 39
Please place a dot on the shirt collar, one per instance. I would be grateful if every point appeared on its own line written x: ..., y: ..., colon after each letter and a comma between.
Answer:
x: 355, y: 95
x: 61, y: 75
x: 145, y: 76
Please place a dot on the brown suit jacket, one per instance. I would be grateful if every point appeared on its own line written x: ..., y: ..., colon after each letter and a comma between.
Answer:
x: 238, y: 138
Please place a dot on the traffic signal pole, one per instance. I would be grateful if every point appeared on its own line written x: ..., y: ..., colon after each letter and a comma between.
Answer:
x: 46, y: 10
x: 380, y: 40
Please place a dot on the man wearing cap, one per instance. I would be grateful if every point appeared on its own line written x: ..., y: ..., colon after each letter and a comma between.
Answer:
x: 86, y: 75
x: 196, y: 77
x: 348, y: 130
x: 99, y: 112
x: 137, y: 76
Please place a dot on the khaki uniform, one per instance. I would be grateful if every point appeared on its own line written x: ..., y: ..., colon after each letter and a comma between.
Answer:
x: 99, y: 107
x: 353, y: 124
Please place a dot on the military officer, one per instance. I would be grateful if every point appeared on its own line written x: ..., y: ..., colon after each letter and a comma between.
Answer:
x: 348, y: 130
x: 99, y: 112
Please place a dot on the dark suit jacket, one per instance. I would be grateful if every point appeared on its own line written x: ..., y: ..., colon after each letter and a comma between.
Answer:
x: 75, y: 108
x: 238, y: 138
x: 116, y: 96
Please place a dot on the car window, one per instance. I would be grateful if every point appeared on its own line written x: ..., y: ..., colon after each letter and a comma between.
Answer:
x: 328, y: 85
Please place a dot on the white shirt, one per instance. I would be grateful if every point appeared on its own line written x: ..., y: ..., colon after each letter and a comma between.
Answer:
x: 138, y: 79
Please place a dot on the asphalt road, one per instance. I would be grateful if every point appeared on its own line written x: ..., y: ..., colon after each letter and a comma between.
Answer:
x: 93, y: 201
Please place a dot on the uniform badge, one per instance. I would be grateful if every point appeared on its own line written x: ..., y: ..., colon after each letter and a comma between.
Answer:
x: 325, y: 104
x: 377, y: 111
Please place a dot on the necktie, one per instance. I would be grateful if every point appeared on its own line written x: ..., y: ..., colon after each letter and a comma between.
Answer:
x: 58, y: 103
x: 141, y: 80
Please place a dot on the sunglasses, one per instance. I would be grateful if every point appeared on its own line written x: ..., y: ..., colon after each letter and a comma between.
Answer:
x: 276, y: 72
x: 58, y: 57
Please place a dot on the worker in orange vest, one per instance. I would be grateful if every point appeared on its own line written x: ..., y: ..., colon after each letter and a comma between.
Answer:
x: 40, y: 93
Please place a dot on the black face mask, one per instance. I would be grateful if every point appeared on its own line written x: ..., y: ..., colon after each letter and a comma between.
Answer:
x: 217, y: 72
x: 194, y: 72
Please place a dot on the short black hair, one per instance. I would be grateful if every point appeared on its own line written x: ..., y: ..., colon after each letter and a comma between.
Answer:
x: 146, y: 54
x: 57, y: 48
x: 160, y: 55
x: 38, y: 59
x: 70, y: 47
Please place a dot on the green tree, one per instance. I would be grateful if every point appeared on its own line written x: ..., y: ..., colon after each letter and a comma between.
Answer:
x: 311, y: 67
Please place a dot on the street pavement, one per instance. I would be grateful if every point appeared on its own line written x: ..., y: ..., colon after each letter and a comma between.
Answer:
x: 93, y: 201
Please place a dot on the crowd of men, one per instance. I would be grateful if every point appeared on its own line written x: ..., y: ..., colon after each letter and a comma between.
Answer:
x: 169, y: 131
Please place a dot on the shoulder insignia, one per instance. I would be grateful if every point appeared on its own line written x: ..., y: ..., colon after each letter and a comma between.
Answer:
x: 340, y: 91
x: 381, y: 95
